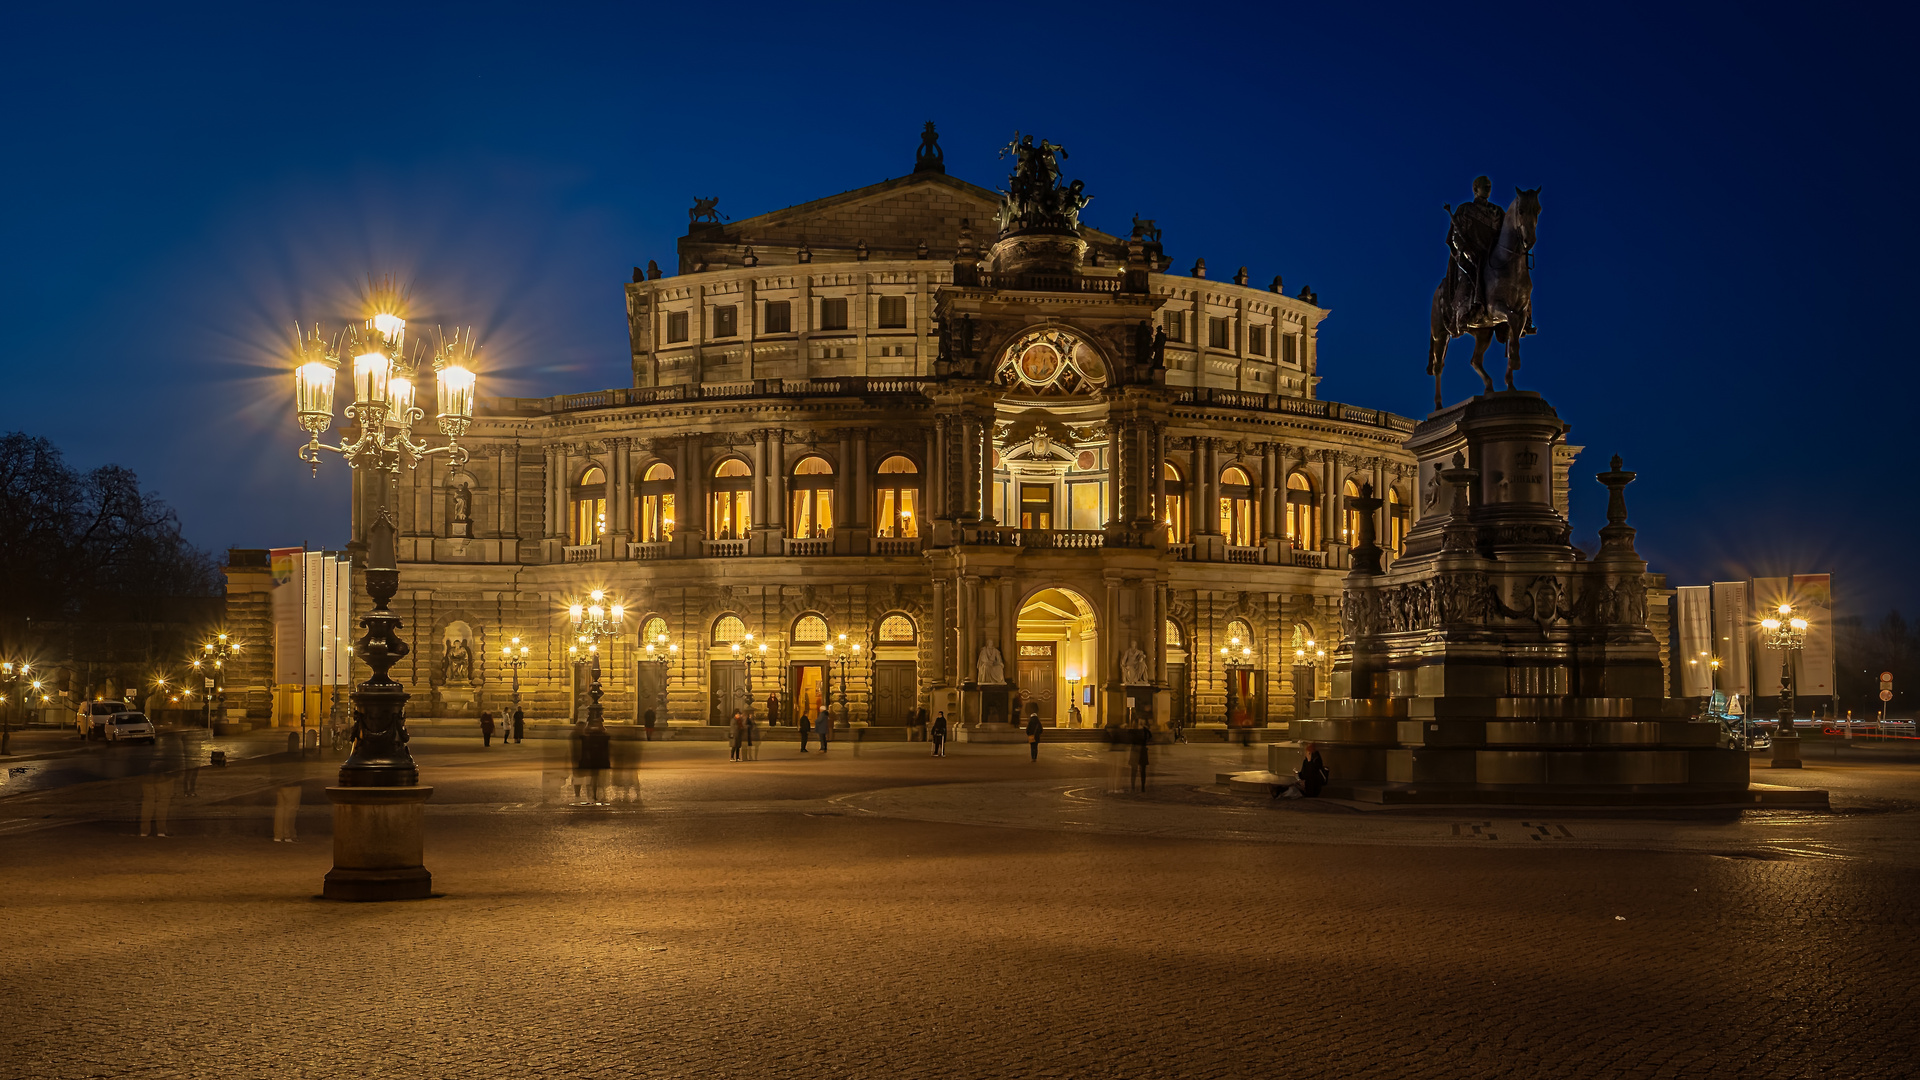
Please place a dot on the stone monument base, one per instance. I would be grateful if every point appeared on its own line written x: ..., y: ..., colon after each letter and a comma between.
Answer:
x: 458, y: 701
x: 378, y: 844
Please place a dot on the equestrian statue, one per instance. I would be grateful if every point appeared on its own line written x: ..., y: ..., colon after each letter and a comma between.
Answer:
x: 1488, y: 290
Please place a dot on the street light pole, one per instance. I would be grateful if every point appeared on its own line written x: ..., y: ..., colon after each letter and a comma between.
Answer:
x: 1786, y: 632
x: 379, y: 806
x: 514, y: 656
x: 846, y: 654
x: 593, y: 623
x: 663, y: 652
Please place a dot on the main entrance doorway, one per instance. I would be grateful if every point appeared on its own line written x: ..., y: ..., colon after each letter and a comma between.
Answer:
x: 729, y: 688
x: 1057, y: 659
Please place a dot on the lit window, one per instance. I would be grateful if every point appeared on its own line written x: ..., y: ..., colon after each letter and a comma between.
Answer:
x: 812, y: 495
x: 1174, y: 514
x: 589, y: 507
x: 728, y: 629
x: 656, y: 503
x: 898, y: 497
x: 896, y: 630
x: 1303, y: 512
x: 809, y: 629
x: 1237, y: 522
x: 730, y: 506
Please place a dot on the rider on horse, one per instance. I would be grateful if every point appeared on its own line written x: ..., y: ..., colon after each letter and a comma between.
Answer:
x: 1476, y: 228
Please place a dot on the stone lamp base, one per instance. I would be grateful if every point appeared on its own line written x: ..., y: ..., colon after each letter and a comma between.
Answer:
x: 377, y: 845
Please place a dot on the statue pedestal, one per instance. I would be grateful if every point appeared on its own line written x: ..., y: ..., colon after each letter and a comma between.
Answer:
x: 378, y: 851
x: 1494, y: 661
x: 460, y: 529
x: 459, y: 701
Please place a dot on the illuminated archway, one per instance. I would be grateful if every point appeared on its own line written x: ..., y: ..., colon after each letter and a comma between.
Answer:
x: 1056, y: 661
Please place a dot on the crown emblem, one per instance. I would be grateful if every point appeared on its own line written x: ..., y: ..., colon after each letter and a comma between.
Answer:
x: 1526, y: 458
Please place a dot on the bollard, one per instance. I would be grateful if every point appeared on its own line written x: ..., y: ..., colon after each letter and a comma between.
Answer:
x: 219, y: 759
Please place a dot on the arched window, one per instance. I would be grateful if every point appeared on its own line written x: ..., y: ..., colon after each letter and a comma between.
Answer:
x: 589, y: 507
x: 730, y: 505
x: 728, y: 629
x: 896, y: 630
x: 1240, y: 635
x: 654, y: 632
x: 1349, y: 517
x: 809, y: 630
x: 1397, y: 522
x: 1237, y: 522
x: 812, y: 487
x: 1173, y: 634
x: 1174, y: 514
x: 656, y: 503
x: 898, y: 492
x: 1303, y: 512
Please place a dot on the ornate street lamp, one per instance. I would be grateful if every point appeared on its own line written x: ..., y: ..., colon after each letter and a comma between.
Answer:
x: 1235, y: 657
x: 753, y: 653
x: 663, y: 652
x: 593, y: 623
x: 379, y: 807
x: 1786, y: 632
x: 11, y: 673
x: 211, y: 666
x: 514, y: 656
x: 1310, y: 658
x: 846, y: 654
x: 1073, y: 693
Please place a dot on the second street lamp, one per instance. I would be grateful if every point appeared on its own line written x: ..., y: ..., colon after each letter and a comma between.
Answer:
x: 593, y: 623
x: 514, y: 656
x: 1786, y: 632
x: 846, y: 654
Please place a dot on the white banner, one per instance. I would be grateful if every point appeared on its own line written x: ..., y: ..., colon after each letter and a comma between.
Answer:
x: 1731, y: 618
x: 1694, y: 613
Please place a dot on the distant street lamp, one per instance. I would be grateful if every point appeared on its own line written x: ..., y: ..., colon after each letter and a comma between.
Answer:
x: 11, y: 673
x: 379, y: 806
x: 593, y: 623
x: 663, y: 652
x: 845, y: 655
x: 211, y: 666
x: 1310, y: 658
x: 514, y: 656
x: 1787, y: 632
x: 1235, y: 658
x: 753, y: 653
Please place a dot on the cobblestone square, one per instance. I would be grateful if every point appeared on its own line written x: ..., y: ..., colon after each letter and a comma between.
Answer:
x: 882, y: 913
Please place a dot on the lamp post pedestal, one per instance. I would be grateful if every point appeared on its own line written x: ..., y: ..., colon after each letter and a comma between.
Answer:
x: 378, y: 844
x: 1786, y: 741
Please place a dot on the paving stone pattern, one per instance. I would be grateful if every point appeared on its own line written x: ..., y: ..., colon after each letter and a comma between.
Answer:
x: 794, y: 934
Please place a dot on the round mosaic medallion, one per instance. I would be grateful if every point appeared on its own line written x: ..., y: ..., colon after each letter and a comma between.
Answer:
x: 1039, y: 363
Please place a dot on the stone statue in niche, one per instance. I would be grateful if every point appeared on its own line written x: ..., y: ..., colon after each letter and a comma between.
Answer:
x: 991, y: 667
x: 459, y: 662
x: 460, y: 510
x: 1134, y: 668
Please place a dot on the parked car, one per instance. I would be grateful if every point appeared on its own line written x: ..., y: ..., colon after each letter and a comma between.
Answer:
x: 91, y: 721
x: 130, y: 727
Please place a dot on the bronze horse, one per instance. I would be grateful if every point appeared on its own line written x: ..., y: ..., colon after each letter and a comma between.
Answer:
x: 1506, y: 283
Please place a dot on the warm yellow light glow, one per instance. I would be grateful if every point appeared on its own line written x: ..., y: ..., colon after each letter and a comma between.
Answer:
x: 673, y: 648
x: 1799, y: 624
x: 313, y: 388
x: 524, y: 650
x: 1786, y: 609
x: 1770, y: 624
x: 573, y: 612
x: 454, y: 385
x: 596, y: 612
x: 371, y: 372
x: 399, y: 400
x: 390, y: 326
x: 597, y: 595
x: 619, y: 613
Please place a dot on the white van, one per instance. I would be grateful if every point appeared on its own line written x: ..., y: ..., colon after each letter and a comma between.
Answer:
x: 91, y: 721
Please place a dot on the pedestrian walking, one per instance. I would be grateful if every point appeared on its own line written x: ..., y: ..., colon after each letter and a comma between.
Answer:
x: 648, y: 721
x: 823, y: 728
x: 287, y: 771
x: 519, y: 724
x: 1033, y: 737
x: 577, y: 759
x: 939, y: 735
x: 736, y: 734
x: 486, y: 728
x: 189, y: 767
x: 156, y: 791
x: 806, y: 728
x: 1142, y: 744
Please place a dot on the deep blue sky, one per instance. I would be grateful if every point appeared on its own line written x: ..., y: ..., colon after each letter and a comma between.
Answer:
x: 1725, y: 268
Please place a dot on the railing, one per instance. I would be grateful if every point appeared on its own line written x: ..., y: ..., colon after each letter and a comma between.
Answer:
x: 1182, y: 552
x: 583, y: 553
x: 647, y: 552
x: 1249, y: 555
x: 1315, y: 559
x: 970, y: 277
x: 843, y: 386
x: 1062, y: 539
x: 810, y: 547
x: 896, y: 545
x: 723, y: 549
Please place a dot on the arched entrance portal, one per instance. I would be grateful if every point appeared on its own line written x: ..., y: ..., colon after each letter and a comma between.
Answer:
x: 1057, y: 666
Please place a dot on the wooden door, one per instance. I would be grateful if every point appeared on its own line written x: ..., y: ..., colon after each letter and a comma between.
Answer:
x: 895, y: 695
x: 727, y: 690
x: 652, y: 694
x: 1177, y: 693
x: 1036, y: 678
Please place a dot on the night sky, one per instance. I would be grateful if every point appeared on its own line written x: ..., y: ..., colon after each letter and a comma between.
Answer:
x: 1724, y: 275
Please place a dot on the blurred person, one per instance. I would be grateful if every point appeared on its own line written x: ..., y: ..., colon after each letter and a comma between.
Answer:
x: 287, y: 772
x: 577, y: 744
x: 156, y: 789
x: 647, y: 722
x: 596, y: 760
x: 519, y: 725
x: 823, y: 728
x: 486, y: 728
x: 806, y: 727
x: 1142, y: 748
x: 939, y: 734
x: 1033, y: 735
x: 736, y: 734
x: 190, y: 756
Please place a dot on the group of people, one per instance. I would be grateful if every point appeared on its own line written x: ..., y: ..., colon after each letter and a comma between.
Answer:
x: 514, y: 727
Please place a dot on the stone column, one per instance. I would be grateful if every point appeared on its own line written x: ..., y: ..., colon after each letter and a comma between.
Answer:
x: 757, y: 543
x: 618, y: 485
x: 1160, y: 632
x: 692, y: 511
x: 1116, y: 507
x: 936, y: 630
x: 843, y: 511
x: 1160, y: 482
x: 1146, y: 455
x: 1009, y: 626
x: 555, y: 462
x: 862, y: 480
x: 507, y: 486
x: 969, y: 463
x: 777, y: 485
x: 1269, y: 488
x: 1330, y: 497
